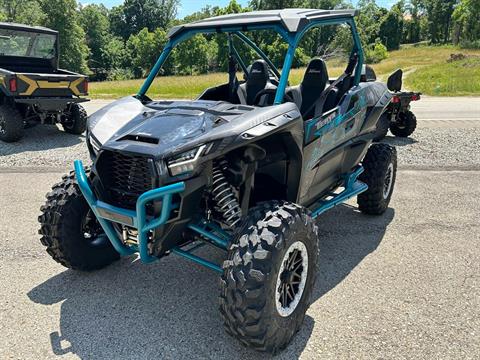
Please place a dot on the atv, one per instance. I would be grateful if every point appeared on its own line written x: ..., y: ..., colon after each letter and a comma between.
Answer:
x: 398, y: 117
x: 33, y: 90
x: 247, y: 167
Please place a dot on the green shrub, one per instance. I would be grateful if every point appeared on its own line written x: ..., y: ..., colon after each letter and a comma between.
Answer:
x: 120, y: 74
x: 376, y: 53
x: 470, y: 44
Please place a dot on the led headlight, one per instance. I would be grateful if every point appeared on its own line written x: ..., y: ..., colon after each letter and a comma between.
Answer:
x: 186, y: 162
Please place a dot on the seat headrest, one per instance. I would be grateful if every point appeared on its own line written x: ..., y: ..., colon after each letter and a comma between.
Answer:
x: 258, y: 75
x: 316, y: 74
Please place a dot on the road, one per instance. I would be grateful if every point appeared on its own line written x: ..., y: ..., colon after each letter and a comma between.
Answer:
x: 427, y: 109
x: 403, y: 285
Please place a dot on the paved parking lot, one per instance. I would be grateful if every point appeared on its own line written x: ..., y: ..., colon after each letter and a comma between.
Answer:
x: 404, y: 285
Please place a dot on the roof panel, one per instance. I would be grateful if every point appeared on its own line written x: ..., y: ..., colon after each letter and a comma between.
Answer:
x: 292, y: 20
x: 22, y: 27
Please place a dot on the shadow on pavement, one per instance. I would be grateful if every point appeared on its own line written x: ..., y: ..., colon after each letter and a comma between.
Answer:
x: 39, y: 138
x: 170, y: 309
x: 346, y: 238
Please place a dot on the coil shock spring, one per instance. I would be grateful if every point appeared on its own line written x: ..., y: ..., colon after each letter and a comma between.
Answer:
x: 224, y: 197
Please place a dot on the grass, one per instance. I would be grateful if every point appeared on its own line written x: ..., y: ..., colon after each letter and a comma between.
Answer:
x: 459, y: 78
x: 426, y: 67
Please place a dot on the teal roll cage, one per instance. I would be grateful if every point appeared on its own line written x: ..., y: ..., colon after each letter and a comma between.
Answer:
x: 292, y: 38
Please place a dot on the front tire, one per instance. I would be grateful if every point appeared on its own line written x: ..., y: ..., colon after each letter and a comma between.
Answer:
x: 76, y: 121
x: 380, y: 169
x: 269, y: 276
x: 11, y: 124
x: 71, y: 232
x: 405, y: 124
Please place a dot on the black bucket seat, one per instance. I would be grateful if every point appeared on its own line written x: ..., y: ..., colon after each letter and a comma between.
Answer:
x: 258, y: 80
x: 314, y: 83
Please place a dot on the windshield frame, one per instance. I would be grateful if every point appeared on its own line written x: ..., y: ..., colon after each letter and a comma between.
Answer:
x: 292, y: 39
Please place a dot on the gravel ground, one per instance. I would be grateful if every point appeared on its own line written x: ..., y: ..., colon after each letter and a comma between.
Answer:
x: 44, y: 146
x: 439, y: 148
x: 48, y: 146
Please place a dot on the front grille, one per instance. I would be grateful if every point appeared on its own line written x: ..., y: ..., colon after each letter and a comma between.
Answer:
x: 125, y: 177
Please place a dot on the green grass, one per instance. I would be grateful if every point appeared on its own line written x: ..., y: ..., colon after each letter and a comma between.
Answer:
x: 459, y: 78
x: 426, y: 68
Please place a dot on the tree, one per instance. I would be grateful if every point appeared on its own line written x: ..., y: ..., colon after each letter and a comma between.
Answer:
x: 95, y: 24
x: 391, y: 27
x: 143, y: 50
x: 466, y: 17
x: 135, y: 15
x: 23, y: 11
x: 275, y: 4
x: 369, y: 21
x: 115, y: 60
x: 191, y: 56
x: 62, y: 16
x: 439, y: 14
x: 412, y: 25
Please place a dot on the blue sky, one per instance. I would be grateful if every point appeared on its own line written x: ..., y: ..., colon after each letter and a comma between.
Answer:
x: 190, y: 6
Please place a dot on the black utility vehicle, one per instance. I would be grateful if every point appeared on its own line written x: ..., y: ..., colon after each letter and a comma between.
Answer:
x: 33, y: 90
x: 246, y: 168
x: 398, y: 117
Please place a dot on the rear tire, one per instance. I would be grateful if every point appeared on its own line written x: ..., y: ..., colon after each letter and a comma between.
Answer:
x: 269, y: 276
x: 11, y: 124
x: 70, y: 231
x: 405, y: 125
x: 380, y: 166
x: 76, y: 122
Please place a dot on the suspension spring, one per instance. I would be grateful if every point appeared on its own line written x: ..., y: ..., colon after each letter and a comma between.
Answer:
x: 224, y: 197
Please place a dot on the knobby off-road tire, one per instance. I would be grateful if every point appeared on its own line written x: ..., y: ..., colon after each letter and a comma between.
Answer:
x: 70, y: 231
x: 380, y: 164
x: 405, y: 126
x: 273, y: 238
x: 382, y: 127
x: 76, y: 123
x: 11, y: 124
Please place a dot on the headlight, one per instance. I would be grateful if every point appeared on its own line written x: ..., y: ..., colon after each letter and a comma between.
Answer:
x: 186, y: 162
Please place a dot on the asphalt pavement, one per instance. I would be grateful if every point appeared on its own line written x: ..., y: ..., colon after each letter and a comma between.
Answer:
x: 427, y: 109
x: 403, y: 285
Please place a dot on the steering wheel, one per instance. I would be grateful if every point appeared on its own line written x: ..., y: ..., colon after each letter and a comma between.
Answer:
x: 269, y: 91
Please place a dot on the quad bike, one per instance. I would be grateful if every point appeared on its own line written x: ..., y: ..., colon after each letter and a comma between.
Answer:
x: 33, y: 90
x: 246, y: 168
x: 398, y: 117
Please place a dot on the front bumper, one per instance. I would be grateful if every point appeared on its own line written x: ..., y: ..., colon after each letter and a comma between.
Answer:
x: 106, y: 214
x: 51, y: 104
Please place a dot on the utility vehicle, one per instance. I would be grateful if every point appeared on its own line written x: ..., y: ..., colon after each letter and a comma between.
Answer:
x: 398, y: 117
x: 33, y: 89
x: 246, y: 168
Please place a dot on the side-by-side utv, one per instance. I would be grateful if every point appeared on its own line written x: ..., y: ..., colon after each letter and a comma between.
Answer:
x: 247, y: 167
x: 33, y: 90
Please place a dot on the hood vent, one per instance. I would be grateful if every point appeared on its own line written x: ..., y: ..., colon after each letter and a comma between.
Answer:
x: 140, y: 138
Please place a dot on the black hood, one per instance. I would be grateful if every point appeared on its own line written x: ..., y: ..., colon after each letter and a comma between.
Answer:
x: 162, y: 128
x: 166, y: 128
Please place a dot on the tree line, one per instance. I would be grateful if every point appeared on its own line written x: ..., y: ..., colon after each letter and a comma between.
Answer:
x: 123, y: 42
